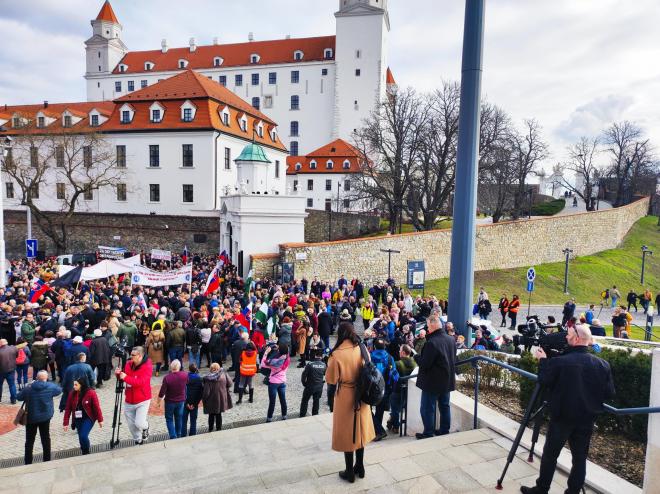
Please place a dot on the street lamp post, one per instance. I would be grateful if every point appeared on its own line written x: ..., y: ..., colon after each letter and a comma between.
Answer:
x: 645, y: 250
x: 567, y: 252
x: 389, y: 260
x: 4, y: 151
x: 531, y: 193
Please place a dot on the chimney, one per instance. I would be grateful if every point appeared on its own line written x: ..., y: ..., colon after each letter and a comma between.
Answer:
x: 250, y: 36
x: 215, y: 41
x: 288, y: 36
x: 163, y: 45
x: 45, y: 103
x: 193, y: 46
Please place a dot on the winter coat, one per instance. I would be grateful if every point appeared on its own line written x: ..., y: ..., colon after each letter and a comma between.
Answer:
x: 129, y: 331
x: 284, y: 336
x: 28, y: 331
x: 157, y: 356
x: 216, y: 394
x: 216, y: 345
x: 8, y: 358
x: 344, y: 367
x: 72, y: 373
x: 437, y: 373
x: 194, y: 390
x: 39, y: 400
x: 325, y: 324
x: 99, y: 352
x: 40, y: 354
x: 176, y: 338
x: 90, y: 403
x: 138, y: 381
x: 301, y: 336
x: 26, y: 350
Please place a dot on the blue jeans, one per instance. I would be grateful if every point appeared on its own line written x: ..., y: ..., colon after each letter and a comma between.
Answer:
x: 427, y: 411
x: 193, y: 422
x: 84, y: 427
x: 174, y: 418
x: 614, y: 301
x: 176, y: 353
x: 9, y: 376
x: 22, y: 373
x: 194, y: 358
x: 278, y: 390
x: 395, y: 409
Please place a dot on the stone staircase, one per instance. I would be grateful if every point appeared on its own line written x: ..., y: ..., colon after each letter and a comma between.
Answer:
x: 282, y: 457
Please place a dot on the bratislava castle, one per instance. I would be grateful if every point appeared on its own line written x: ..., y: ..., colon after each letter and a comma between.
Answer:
x: 317, y: 89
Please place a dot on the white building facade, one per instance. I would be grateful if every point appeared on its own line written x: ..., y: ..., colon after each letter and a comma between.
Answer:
x: 317, y: 89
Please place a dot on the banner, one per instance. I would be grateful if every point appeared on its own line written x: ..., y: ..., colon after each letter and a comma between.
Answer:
x: 148, y: 277
x: 114, y: 253
x: 161, y: 255
x: 105, y: 268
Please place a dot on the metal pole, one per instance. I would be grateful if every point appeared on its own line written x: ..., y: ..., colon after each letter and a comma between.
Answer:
x: 389, y: 263
x: 29, y: 222
x: 3, y: 278
x: 567, y: 252
x: 461, y: 276
x: 645, y: 250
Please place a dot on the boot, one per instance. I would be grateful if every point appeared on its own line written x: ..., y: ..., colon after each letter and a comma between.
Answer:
x: 359, y: 463
x: 251, y: 395
x: 240, y: 396
x: 348, y: 474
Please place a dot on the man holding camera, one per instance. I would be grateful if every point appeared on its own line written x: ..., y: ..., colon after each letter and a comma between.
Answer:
x: 577, y: 383
x: 137, y: 377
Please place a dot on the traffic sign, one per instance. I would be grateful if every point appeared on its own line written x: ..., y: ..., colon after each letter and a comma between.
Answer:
x: 531, y: 274
x: 530, y: 286
x: 31, y: 246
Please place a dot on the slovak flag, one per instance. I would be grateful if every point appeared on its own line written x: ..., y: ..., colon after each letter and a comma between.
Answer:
x: 213, y: 282
x: 39, y: 287
x: 245, y: 317
x: 224, y: 258
x: 184, y: 255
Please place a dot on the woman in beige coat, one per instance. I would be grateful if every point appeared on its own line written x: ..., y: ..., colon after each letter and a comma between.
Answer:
x: 344, y: 368
x: 156, y: 348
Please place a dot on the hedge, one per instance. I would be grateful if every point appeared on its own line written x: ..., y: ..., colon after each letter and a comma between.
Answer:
x: 548, y: 208
x: 632, y: 381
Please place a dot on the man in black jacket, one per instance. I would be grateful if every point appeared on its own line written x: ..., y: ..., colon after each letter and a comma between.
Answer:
x: 437, y: 377
x: 312, y: 379
x: 578, y: 383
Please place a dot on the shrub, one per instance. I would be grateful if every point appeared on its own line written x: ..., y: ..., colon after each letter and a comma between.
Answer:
x: 530, y: 364
x: 492, y: 376
x: 548, y: 208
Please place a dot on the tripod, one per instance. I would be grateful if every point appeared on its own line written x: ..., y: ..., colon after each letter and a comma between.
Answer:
x: 119, y: 400
x: 530, y: 414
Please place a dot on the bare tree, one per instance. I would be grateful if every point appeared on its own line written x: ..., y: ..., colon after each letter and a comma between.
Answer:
x: 391, y: 138
x: 80, y: 163
x: 431, y: 178
x: 587, y: 173
x: 528, y: 150
x: 631, y: 158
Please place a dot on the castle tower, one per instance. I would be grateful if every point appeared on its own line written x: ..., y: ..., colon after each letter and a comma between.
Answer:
x: 104, y: 49
x: 361, y: 62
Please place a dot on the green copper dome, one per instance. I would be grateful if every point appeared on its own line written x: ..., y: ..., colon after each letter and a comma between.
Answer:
x: 253, y: 152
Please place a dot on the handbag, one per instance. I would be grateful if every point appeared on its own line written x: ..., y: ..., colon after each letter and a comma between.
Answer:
x: 21, y: 415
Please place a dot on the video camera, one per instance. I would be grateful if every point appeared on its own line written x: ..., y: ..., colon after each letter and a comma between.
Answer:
x: 533, y: 333
x: 120, y: 351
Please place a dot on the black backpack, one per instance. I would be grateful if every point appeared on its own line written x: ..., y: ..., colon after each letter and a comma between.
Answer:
x: 370, y: 386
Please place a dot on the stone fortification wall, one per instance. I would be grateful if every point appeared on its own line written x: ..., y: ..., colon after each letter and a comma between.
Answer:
x: 263, y: 264
x: 499, y: 246
x: 341, y: 225
x: 135, y: 232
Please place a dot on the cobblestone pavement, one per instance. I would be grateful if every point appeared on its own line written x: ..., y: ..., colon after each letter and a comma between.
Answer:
x: 12, y: 438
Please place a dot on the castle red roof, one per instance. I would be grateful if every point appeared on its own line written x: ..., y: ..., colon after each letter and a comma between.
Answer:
x: 338, y: 151
x: 107, y: 14
x: 233, y: 54
x: 389, y: 78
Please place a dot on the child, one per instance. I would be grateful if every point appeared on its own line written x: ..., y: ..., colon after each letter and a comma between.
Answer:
x: 248, y: 368
x: 312, y: 379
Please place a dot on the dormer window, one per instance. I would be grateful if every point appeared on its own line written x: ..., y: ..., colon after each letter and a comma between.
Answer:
x: 243, y: 123
x: 125, y: 117
x: 298, y: 166
x: 156, y: 112
x: 187, y: 115
x: 273, y: 135
x: 298, y: 55
x: 327, y: 53
x: 188, y: 110
x: 148, y: 65
x: 123, y: 67
x: 329, y: 164
x: 183, y: 63
x: 347, y: 164
x: 260, y: 129
x: 155, y: 116
x: 225, y: 118
x: 16, y: 122
x: 67, y: 121
x: 41, y: 122
x: 94, y: 121
x: 217, y: 61
x: 254, y: 58
x: 312, y: 165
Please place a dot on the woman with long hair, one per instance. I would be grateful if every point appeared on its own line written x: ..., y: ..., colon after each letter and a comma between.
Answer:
x: 83, y: 404
x: 278, y: 364
x: 351, y: 429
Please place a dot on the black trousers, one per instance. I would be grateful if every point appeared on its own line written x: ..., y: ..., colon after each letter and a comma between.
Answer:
x: 332, y: 389
x: 215, y: 419
x: 315, y: 394
x: 31, y: 435
x: 578, y: 437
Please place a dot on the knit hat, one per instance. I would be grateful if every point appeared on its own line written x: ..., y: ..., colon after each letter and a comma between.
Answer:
x: 345, y: 314
x: 97, y: 333
x: 78, y: 339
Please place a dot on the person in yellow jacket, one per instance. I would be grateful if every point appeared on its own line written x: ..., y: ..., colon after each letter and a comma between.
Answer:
x: 367, y: 313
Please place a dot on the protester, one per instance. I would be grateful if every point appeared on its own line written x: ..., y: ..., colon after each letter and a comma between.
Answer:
x: 83, y: 404
x: 137, y: 377
x: 404, y: 366
x: 100, y: 357
x: 194, y: 390
x: 173, y: 393
x: 387, y: 367
x: 155, y: 344
x: 8, y: 355
x: 278, y: 365
x: 81, y: 369
x: 22, y: 362
x: 216, y: 395
x: 38, y: 399
x: 351, y: 429
x: 247, y: 370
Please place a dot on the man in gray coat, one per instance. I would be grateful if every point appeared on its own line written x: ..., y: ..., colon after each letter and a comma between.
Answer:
x: 8, y: 355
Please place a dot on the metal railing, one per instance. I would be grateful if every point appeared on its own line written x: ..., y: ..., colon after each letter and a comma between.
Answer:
x: 474, y: 362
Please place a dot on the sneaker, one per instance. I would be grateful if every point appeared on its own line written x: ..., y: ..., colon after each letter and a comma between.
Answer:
x: 419, y: 435
x: 145, y: 433
x: 381, y: 436
x: 283, y: 417
x: 138, y: 443
x: 269, y: 420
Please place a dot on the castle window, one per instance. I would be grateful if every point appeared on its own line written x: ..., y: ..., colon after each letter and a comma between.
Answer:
x: 327, y: 53
x: 143, y: 83
x: 67, y: 121
x: 272, y: 78
x: 295, y: 77
x: 118, y: 86
x: 183, y: 63
x: 294, y: 128
x: 357, y: 72
x: 255, y: 102
x: 329, y: 164
x: 187, y: 115
x: 255, y: 79
x: 254, y: 58
x: 293, y: 148
x: 155, y: 116
x: 347, y: 164
x: 238, y: 80
x: 222, y: 79
x: 95, y: 120
x: 268, y: 101
x: 324, y: 71
x: 217, y: 62
x: 298, y: 167
x: 295, y: 102
x: 125, y: 117
x: 148, y: 66
x: 298, y: 55
x: 312, y: 165
x: 358, y: 53
x: 41, y: 122
x: 131, y: 85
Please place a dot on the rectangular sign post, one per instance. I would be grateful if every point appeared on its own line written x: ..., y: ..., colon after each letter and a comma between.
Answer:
x: 416, y: 275
x: 31, y: 247
x: 531, y: 276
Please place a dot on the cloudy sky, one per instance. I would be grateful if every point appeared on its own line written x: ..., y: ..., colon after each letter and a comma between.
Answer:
x: 574, y: 65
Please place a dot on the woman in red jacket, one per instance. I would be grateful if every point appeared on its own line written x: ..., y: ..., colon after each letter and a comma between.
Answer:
x: 83, y: 403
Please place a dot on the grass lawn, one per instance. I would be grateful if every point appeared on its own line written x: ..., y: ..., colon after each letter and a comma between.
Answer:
x: 587, y: 277
x: 636, y: 333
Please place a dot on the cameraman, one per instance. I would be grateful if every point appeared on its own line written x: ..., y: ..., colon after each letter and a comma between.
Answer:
x: 578, y: 383
x: 137, y: 377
